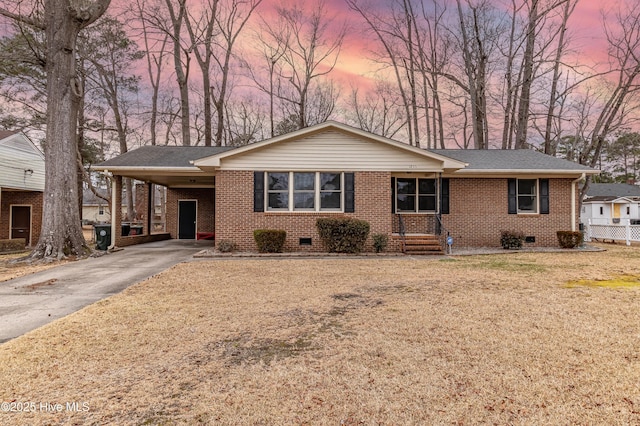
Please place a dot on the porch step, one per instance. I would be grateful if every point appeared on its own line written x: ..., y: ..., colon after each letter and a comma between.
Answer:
x: 422, y: 245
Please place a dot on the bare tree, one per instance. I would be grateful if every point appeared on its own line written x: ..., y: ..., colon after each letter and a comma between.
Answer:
x: 168, y: 16
x: 312, y: 49
x: 554, y: 95
x: 391, y: 37
x: 62, y: 21
x: 109, y: 54
x: 378, y: 111
x: 271, y: 52
x: 155, y: 53
x: 624, y: 53
x: 231, y: 21
x: 202, y: 33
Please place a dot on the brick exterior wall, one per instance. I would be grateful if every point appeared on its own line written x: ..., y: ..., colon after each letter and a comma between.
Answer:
x: 236, y: 220
x: 479, y: 212
x: 27, y: 198
x: 205, y: 221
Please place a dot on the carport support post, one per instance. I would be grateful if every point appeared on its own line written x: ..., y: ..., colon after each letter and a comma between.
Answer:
x: 116, y: 210
x: 150, y: 207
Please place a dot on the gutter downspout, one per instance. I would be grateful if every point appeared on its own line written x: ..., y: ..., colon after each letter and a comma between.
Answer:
x: 573, y: 201
x: 113, y: 210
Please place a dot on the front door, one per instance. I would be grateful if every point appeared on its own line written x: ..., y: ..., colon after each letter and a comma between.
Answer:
x: 21, y: 223
x: 187, y: 219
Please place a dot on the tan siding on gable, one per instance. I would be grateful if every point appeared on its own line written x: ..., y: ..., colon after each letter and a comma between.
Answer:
x: 331, y: 150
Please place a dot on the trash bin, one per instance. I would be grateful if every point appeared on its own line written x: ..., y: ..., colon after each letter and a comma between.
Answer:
x: 103, y: 236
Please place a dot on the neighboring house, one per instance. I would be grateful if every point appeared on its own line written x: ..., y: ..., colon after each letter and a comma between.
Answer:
x: 611, y: 203
x: 334, y: 170
x: 94, y: 208
x: 21, y: 187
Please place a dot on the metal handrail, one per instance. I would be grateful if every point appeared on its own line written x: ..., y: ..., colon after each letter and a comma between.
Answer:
x: 401, y: 231
x: 441, y: 231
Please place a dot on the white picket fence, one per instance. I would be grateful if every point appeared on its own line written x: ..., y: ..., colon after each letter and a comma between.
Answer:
x: 626, y: 233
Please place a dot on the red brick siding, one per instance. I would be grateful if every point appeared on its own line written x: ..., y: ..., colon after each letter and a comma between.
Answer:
x: 236, y: 220
x: 27, y: 198
x: 479, y: 213
x: 205, y: 208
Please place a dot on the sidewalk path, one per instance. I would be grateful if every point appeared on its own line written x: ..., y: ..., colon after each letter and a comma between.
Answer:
x: 34, y: 300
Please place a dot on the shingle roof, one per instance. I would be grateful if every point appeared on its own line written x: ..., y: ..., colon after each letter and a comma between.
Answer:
x: 487, y: 160
x: 612, y: 190
x: 6, y: 133
x: 510, y: 159
x: 163, y: 156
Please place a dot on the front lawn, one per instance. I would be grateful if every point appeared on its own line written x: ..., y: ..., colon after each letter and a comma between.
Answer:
x: 497, y: 339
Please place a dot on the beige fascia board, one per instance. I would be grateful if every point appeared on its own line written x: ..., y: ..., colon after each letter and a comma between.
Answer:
x: 158, y: 170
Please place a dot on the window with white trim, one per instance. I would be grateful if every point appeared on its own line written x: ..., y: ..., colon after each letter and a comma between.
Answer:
x: 304, y: 191
x: 527, y: 193
x: 415, y: 195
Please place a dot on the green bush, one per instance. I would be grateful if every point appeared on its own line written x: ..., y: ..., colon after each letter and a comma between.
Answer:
x: 380, y: 242
x: 570, y: 239
x: 511, y: 239
x: 343, y: 235
x: 270, y: 240
x: 12, y: 246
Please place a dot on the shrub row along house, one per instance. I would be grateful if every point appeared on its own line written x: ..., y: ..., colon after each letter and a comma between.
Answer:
x: 334, y: 170
x: 22, y: 175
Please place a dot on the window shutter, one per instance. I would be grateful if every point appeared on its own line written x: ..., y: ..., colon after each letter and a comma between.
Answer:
x: 258, y: 191
x: 544, y: 196
x: 393, y: 195
x: 444, y: 196
x: 349, y: 193
x: 513, y: 197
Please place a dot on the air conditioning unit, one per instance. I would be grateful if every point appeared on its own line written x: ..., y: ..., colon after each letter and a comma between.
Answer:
x: 616, y: 220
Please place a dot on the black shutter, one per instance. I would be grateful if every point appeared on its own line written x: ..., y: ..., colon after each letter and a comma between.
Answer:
x: 513, y: 197
x: 393, y: 195
x: 349, y: 193
x: 444, y: 196
x: 258, y: 191
x: 544, y: 196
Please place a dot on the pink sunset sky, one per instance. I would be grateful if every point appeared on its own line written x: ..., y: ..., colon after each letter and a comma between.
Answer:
x: 585, y: 29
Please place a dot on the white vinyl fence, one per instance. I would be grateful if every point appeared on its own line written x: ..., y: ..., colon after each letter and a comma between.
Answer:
x: 626, y: 233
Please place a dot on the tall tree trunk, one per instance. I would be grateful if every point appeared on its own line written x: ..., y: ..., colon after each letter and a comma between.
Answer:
x: 553, y: 98
x: 61, y: 233
x: 527, y: 79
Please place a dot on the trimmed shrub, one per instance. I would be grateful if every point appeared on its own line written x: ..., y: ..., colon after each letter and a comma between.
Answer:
x: 511, y: 239
x: 380, y: 242
x: 570, y: 239
x: 12, y: 246
x: 226, y: 246
x: 343, y: 235
x: 270, y: 240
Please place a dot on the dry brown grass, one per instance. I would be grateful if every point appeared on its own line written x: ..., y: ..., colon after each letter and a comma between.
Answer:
x: 496, y: 339
x: 10, y: 269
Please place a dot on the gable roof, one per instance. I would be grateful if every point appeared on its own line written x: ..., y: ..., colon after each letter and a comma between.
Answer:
x: 164, y: 165
x: 332, y: 145
x: 509, y: 161
x: 161, y: 156
x: 349, y: 136
x: 611, y: 191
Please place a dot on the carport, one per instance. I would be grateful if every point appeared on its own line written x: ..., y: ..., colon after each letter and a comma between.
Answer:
x: 190, y: 201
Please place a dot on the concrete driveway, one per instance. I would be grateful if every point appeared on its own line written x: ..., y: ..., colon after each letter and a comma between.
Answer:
x: 29, y: 302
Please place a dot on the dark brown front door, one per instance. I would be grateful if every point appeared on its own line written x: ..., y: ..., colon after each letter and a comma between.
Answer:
x: 21, y: 223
